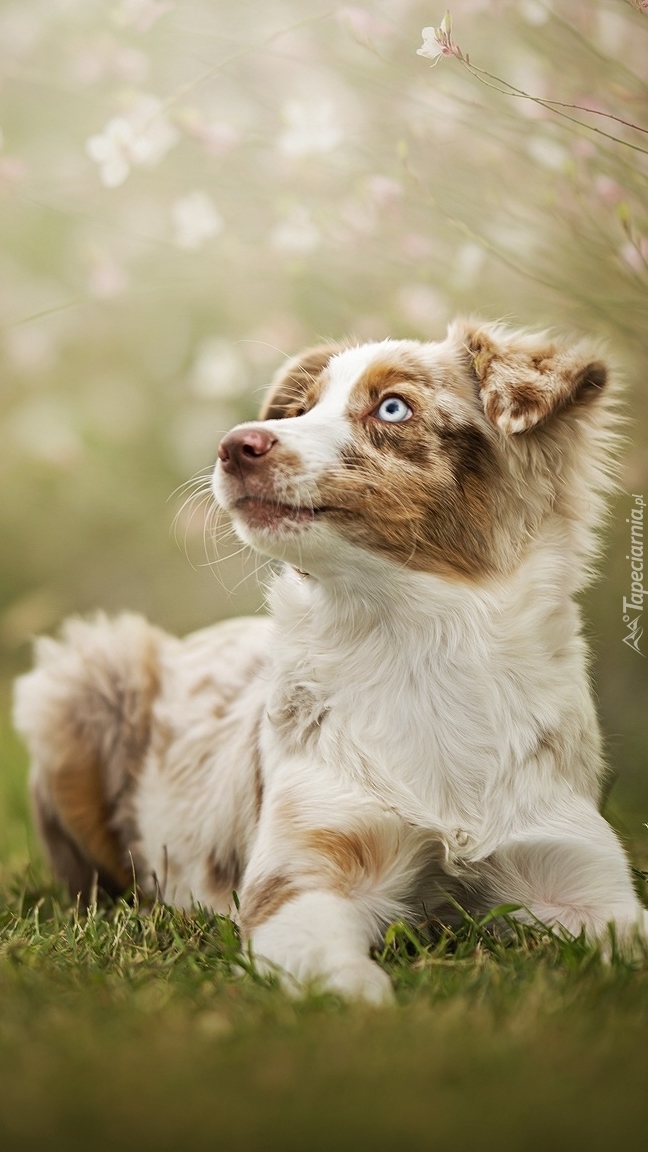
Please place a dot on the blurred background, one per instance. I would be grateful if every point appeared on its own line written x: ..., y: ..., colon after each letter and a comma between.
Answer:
x: 191, y: 191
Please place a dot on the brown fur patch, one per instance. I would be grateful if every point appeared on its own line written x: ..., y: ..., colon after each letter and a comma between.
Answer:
x: 224, y: 873
x: 402, y: 375
x: 203, y: 684
x: 132, y: 709
x: 83, y: 813
x: 385, y: 857
x: 345, y: 858
x: 162, y: 737
x: 297, y: 385
x: 299, y: 718
x: 257, y: 773
x: 263, y: 899
x: 66, y: 860
x: 96, y: 690
x: 422, y: 491
x: 409, y: 862
x: 526, y: 380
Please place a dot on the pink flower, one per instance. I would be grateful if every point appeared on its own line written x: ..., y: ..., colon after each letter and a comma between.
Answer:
x: 363, y: 25
x: 609, y: 191
x: 218, y: 136
x: 635, y: 254
x: 106, y: 276
x: 140, y: 14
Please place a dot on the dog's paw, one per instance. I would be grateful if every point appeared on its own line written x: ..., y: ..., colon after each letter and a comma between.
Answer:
x: 356, y: 980
x: 622, y: 936
x: 318, y: 941
x: 362, y: 980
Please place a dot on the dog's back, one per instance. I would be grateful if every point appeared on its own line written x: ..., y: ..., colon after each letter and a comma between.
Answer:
x: 125, y: 725
x: 85, y: 712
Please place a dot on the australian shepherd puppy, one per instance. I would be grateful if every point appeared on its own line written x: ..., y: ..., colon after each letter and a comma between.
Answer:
x: 412, y: 726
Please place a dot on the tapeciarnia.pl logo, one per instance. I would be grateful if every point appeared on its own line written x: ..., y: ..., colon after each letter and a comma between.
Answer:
x: 633, y: 604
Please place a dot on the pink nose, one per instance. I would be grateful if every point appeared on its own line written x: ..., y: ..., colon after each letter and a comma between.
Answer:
x: 244, y: 447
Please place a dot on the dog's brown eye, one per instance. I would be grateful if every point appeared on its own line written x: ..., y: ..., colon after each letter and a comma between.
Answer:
x: 393, y: 410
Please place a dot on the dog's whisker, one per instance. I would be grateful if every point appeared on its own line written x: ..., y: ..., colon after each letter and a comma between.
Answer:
x: 195, y: 503
x: 203, y: 492
x: 199, y: 477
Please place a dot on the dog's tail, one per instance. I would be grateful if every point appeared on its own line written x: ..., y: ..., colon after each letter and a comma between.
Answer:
x: 85, y: 713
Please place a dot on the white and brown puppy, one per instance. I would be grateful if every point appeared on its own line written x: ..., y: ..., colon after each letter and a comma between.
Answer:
x: 414, y: 720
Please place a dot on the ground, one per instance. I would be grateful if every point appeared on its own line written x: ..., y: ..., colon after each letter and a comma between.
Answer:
x: 134, y: 1027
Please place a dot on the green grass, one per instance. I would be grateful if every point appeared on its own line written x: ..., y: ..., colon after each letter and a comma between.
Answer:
x: 146, y: 1028
x: 139, y: 1028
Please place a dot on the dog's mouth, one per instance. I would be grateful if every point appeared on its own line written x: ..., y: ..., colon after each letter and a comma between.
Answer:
x: 260, y: 513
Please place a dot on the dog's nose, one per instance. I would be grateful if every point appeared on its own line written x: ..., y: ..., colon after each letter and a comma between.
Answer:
x: 244, y: 447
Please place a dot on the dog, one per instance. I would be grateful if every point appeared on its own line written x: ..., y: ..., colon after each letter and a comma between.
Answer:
x: 411, y: 728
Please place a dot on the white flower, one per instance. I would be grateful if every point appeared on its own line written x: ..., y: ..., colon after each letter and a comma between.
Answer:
x: 218, y: 370
x: 112, y: 151
x: 297, y: 235
x: 195, y: 220
x: 143, y: 135
x: 431, y: 47
x: 310, y: 128
x: 154, y: 134
x: 438, y: 41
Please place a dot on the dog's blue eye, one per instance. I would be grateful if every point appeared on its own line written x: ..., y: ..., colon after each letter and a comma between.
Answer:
x: 393, y: 410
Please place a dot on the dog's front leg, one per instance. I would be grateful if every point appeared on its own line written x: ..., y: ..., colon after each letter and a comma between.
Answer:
x: 310, y: 903
x: 319, y: 939
x: 572, y: 872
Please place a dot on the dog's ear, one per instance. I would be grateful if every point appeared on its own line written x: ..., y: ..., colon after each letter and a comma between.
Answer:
x: 296, y: 384
x: 525, y: 379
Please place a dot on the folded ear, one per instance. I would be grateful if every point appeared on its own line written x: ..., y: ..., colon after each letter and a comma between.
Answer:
x: 296, y: 385
x: 525, y: 379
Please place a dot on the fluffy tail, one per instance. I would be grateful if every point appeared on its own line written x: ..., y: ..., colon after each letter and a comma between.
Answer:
x: 85, y: 713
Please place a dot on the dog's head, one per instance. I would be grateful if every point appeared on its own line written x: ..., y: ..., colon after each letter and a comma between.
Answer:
x: 448, y: 457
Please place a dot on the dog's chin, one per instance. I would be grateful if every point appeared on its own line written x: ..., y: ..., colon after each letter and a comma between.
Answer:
x: 269, y: 516
x: 278, y: 530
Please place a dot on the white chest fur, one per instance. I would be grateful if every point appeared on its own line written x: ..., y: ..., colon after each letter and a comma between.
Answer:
x: 459, y: 709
